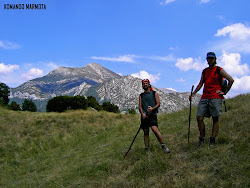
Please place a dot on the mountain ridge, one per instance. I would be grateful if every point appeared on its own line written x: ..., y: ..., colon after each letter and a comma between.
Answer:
x: 94, y: 80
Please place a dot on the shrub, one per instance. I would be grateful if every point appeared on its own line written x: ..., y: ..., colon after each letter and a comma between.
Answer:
x: 107, y: 106
x: 93, y: 103
x: 29, y: 105
x: 15, y: 106
x: 62, y: 103
x: 131, y: 111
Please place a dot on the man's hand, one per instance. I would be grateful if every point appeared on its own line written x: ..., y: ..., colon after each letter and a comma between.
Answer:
x: 150, y: 109
x: 144, y: 116
x: 190, y: 97
x: 220, y: 92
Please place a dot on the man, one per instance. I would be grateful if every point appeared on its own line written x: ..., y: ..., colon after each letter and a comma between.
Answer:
x: 211, y: 99
x: 148, y: 105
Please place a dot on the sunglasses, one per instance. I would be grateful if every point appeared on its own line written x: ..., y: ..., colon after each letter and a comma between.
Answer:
x: 210, y: 58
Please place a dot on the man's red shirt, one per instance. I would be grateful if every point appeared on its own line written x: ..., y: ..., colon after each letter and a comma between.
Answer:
x: 212, y: 84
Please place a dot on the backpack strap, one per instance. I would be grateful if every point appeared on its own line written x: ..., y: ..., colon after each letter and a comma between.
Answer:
x: 216, y: 72
x: 220, y: 76
x: 155, y: 101
x: 203, y: 75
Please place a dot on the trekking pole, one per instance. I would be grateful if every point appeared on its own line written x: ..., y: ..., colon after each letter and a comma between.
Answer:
x: 225, y: 105
x: 190, y: 112
x: 133, y: 141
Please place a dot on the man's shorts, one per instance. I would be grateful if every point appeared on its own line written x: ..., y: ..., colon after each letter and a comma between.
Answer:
x: 149, y: 122
x: 209, y: 107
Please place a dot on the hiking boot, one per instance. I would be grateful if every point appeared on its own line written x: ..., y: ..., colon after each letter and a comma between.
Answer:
x: 201, y: 141
x: 165, y: 149
x: 212, y: 142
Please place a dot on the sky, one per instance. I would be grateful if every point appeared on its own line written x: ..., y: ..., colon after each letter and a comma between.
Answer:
x: 165, y: 41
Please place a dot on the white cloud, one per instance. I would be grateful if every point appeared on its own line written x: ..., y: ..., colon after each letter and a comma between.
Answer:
x: 173, y: 48
x: 32, y: 73
x: 52, y: 65
x: 236, y: 31
x: 232, y: 64
x: 9, y: 45
x: 236, y: 38
x: 181, y: 80
x: 190, y: 63
x: 132, y: 58
x: 165, y: 2
x: 170, y: 57
x: 204, y: 1
x: 7, y: 68
x: 145, y: 75
x: 125, y: 58
x: 242, y: 84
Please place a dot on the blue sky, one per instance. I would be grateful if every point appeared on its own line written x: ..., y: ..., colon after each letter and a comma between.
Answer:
x: 163, y: 40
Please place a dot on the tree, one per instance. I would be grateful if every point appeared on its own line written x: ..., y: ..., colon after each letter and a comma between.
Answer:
x: 4, y: 93
x: 78, y: 102
x: 57, y: 104
x: 29, y: 105
x: 14, y: 106
x: 93, y: 103
x: 107, y: 106
x: 62, y: 103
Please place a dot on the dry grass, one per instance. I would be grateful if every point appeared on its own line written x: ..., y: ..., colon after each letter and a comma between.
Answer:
x: 86, y: 149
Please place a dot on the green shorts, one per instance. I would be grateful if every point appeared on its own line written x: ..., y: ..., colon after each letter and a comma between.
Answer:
x: 209, y: 107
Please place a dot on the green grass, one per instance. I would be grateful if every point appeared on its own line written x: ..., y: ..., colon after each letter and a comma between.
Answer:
x: 86, y: 149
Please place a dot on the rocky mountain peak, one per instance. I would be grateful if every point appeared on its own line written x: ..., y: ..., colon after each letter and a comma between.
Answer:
x: 62, y: 71
x: 93, y: 80
x: 94, y: 66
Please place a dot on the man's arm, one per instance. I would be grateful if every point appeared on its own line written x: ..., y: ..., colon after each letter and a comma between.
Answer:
x: 230, y: 82
x: 140, y: 108
x: 199, y: 86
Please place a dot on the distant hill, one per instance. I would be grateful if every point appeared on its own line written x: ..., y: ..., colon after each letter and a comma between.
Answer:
x: 168, y: 90
x: 93, y: 80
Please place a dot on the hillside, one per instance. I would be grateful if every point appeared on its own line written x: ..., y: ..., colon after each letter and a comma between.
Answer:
x: 86, y: 149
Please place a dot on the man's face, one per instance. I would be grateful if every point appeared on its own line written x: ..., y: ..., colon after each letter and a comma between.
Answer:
x: 211, y: 61
x: 145, y: 85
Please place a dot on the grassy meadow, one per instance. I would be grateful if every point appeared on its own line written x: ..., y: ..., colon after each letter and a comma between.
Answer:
x: 86, y: 149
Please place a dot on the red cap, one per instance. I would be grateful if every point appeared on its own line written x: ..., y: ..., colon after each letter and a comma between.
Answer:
x: 145, y: 80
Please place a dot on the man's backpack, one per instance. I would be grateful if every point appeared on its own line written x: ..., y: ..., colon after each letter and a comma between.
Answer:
x: 223, y: 81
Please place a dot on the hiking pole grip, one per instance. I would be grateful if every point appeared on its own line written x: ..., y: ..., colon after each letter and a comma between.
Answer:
x: 190, y: 111
x: 132, y: 142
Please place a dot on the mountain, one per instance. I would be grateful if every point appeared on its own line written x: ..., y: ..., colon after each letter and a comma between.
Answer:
x: 94, y: 80
x: 168, y: 90
x: 61, y: 81
x: 125, y: 91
